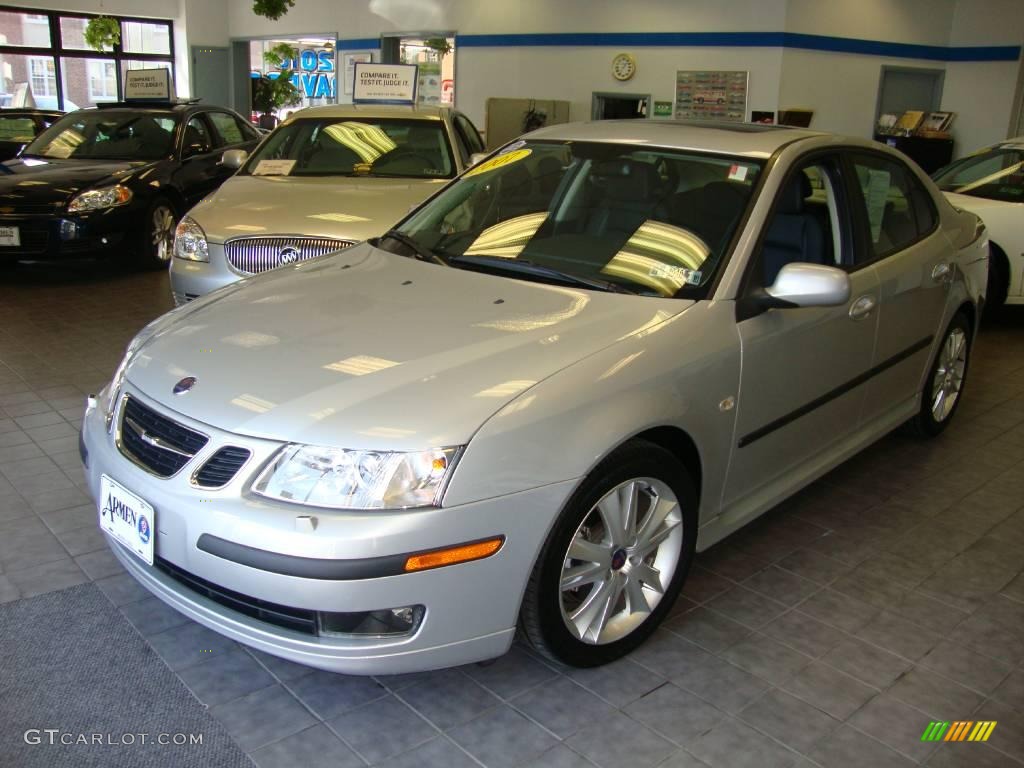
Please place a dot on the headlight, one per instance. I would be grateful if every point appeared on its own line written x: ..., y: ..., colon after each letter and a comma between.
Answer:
x: 108, y: 396
x: 343, y: 479
x: 97, y: 199
x: 190, y: 241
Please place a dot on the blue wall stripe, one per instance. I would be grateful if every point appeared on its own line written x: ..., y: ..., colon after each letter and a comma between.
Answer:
x: 359, y: 44
x: 729, y: 40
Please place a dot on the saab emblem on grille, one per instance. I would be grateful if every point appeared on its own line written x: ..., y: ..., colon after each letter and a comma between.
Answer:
x: 185, y: 385
x: 289, y: 255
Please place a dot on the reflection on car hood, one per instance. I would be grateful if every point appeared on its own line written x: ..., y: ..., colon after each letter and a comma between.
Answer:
x: 975, y: 204
x: 47, y: 181
x: 342, y: 207
x: 368, y: 349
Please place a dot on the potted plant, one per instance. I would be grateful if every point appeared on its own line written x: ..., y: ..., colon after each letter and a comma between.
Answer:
x: 271, y: 93
x: 102, y: 33
x: 272, y: 9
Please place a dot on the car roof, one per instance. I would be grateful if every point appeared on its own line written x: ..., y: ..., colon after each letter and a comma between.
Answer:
x: 409, y: 112
x: 748, y: 139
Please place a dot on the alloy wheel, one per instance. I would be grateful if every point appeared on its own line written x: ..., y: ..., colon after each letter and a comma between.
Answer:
x: 162, y: 230
x: 949, y: 375
x: 620, y: 560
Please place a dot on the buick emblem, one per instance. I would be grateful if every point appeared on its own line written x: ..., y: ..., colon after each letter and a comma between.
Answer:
x: 185, y: 385
x: 289, y: 255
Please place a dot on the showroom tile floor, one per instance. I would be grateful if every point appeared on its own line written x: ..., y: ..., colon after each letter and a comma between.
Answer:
x: 830, y: 633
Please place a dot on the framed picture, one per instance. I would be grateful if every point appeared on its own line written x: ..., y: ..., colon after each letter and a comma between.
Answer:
x: 937, y: 121
x: 349, y: 67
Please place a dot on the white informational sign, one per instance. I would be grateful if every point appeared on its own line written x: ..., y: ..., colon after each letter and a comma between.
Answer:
x: 350, y: 60
x: 384, y: 83
x: 147, y: 85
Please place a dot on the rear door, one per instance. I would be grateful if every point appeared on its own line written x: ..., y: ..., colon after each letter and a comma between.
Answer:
x: 897, y: 222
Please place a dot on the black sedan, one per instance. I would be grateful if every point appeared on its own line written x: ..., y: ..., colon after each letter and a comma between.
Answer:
x: 19, y: 126
x: 112, y: 181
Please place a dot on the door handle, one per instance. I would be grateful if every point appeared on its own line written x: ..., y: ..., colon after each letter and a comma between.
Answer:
x: 862, y: 307
x: 942, y: 272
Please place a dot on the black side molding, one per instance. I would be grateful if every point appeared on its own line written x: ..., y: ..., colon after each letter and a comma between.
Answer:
x: 839, y: 391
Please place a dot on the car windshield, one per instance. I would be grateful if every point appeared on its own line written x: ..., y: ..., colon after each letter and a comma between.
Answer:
x: 637, y: 219
x: 997, y: 174
x: 106, y: 134
x: 355, y: 147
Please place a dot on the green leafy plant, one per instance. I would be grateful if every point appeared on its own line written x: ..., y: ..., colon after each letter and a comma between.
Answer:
x: 280, y: 55
x: 272, y: 9
x: 102, y: 33
x: 272, y: 93
x: 439, y: 44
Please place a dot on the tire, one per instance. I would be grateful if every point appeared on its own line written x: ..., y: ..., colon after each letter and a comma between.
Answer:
x: 156, y: 244
x: 998, y: 281
x: 611, y: 608
x: 943, y: 389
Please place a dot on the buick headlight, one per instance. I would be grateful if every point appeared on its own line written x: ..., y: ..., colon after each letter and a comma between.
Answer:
x: 108, y: 396
x: 98, y: 199
x: 344, y: 479
x: 190, y: 241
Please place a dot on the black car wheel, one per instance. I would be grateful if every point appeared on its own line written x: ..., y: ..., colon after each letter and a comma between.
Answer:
x: 157, y: 246
x: 615, y: 560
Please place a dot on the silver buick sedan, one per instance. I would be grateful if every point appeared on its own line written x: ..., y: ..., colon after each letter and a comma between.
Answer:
x: 326, y: 178
x: 600, y: 350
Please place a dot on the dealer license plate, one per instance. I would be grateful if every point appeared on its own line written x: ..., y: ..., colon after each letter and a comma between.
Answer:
x: 10, y: 236
x: 127, y: 518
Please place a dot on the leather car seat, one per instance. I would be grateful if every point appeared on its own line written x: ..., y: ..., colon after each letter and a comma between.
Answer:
x: 794, y: 234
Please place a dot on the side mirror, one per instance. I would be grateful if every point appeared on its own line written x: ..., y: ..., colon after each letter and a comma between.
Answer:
x: 808, y: 285
x: 234, y: 158
x: 475, y: 158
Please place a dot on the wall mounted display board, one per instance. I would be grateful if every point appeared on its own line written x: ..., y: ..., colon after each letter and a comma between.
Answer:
x: 711, y: 95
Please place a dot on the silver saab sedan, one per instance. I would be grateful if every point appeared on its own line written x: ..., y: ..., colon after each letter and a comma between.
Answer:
x: 604, y: 348
x: 326, y: 178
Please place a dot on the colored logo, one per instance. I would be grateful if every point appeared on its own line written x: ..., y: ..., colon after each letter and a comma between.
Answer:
x: 143, y: 529
x: 185, y: 385
x: 289, y: 255
x: 958, y: 730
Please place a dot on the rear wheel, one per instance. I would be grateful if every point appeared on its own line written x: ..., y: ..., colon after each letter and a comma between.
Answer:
x: 615, y: 559
x: 945, y: 382
x: 998, y: 281
x: 157, y: 245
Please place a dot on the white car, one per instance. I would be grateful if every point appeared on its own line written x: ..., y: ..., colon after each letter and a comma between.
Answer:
x: 990, y: 183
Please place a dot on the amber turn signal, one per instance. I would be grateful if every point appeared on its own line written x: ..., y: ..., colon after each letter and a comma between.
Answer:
x: 462, y: 553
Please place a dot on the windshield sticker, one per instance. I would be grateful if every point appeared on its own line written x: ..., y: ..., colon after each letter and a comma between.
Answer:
x: 679, y: 275
x: 273, y: 168
x: 498, y: 162
x: 512, y: 147
x: 737, y: 172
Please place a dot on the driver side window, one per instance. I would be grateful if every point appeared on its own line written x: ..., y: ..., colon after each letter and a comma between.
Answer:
x: 805, y: 225
x: 197, y: 138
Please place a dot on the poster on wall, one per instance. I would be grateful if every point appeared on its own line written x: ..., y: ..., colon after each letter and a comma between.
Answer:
x: 711, y: 95
x: 384, y: 83
x: 349, y: 65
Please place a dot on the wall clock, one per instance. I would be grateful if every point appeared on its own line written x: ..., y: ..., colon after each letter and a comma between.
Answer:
x: 624, y: 66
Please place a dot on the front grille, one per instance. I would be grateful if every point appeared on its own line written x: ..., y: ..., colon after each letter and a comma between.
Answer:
x: 22, y: 208
x: 156, y: 442
x: 258, y: 254
x: 221, y: 467
x: 33, y: 241
x: 298, y: 619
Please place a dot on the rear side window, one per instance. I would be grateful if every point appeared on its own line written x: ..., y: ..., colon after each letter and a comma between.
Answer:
x: 17, y: 129
x: 897, y: 208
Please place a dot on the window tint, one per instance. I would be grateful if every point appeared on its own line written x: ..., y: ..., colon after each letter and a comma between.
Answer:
x: 230, y: 129
x: 473, y: 141
x: 197, y: 137
x: 889, y: 202
x: 997, y: 174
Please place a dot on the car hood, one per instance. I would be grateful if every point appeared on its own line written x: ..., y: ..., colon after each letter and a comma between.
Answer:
x: 323, y: 206
x: 46, y: 181
x: 368, y: 349
x: 974, y: 204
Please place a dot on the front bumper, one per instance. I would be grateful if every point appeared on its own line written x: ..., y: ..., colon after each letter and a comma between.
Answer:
x: 192, y: 279
x: 58, y: 237
x: 471, y: 608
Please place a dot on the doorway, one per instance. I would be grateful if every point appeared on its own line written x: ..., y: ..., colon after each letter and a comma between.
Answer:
x: 909, y: 88
x: 620, y: 106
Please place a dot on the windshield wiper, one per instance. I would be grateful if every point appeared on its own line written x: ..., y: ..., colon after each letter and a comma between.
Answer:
x: 525, y: 267
x: 422, y: 252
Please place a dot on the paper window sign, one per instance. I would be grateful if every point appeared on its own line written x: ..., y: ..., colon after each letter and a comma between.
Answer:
x: 384, y: 83
x: 737, y: 173
x: 273, y: 168
x: 148, y: 85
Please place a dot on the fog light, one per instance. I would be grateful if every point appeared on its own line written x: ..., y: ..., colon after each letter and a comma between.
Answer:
x: 386, y: 623
x: 68, y: 229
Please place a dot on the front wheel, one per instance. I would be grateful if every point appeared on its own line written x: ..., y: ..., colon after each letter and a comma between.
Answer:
x: 945, y: 382
x: 615, y: 560
x: 157, y: 246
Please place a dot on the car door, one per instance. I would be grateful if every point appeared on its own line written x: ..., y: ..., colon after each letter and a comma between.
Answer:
x: 468, y: 138
x: 200, y: 172
x: 799, y: 391
x: 231, y: 132
x: 897, y: 220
